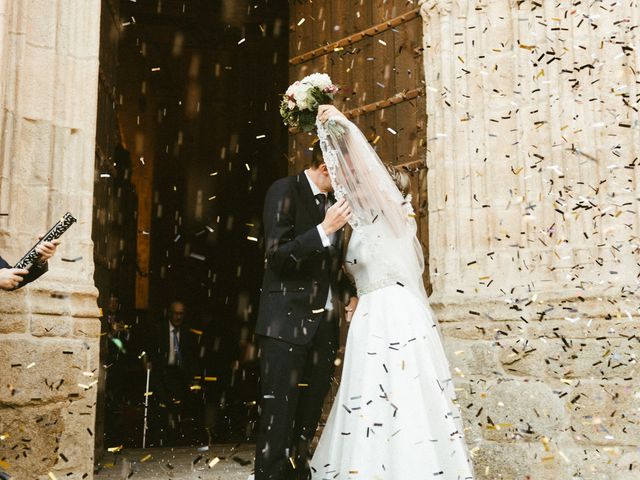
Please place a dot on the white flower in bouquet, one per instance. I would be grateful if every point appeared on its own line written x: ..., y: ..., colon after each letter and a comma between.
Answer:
x: 322, y: 81
x: 298, y: 96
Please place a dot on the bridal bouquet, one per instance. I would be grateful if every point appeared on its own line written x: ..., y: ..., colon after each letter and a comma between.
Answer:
x: 300, y: 103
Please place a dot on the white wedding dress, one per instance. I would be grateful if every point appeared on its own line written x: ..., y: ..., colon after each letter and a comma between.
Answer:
x: 394, y: 416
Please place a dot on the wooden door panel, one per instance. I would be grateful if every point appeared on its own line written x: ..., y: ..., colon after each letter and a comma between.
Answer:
x: 373, y: 51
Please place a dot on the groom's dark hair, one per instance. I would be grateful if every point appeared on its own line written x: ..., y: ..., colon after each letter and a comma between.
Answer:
x: 316, y: 156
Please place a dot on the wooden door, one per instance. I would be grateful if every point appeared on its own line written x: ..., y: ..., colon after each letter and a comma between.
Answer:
x: 373, y: 50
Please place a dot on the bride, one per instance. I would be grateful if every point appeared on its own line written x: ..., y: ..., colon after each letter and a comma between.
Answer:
x: 394, y: 416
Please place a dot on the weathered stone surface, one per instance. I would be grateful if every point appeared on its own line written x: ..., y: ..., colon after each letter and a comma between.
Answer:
x: 488, y: 331
x: 602, y: 463
x: 33, y: 437
x: 77, y: 442
x: 40, y: 29
x: 13, y: 323
x: 50, y: 326
x: 38, y: 94
x: 606, y: 413
x: 49, y: 329
x: 12, y: 302
x: 471, y: 357
x: 532, y: 265
x: 47, y: 370
x: 507, y: 461
x: 513, y: 410
x: 52, y: 297
x: 571, y: 358
x: 86, y: 328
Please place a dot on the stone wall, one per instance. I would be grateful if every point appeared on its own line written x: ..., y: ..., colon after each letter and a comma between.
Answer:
x: 533, y: 219
x: 48, y: 330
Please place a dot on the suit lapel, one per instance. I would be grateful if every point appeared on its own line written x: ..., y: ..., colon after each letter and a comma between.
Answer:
x: 167, y: 339
x: 307, y: 198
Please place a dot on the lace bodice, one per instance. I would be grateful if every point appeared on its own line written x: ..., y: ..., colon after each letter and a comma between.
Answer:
x: 371, y: 266
x: 384, y: 249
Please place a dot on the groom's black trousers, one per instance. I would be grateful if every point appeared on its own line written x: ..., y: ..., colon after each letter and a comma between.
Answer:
x: 295, y: 380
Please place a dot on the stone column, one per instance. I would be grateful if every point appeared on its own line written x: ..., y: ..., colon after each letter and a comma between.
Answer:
x: 532, y: 162
x: 48, y: 330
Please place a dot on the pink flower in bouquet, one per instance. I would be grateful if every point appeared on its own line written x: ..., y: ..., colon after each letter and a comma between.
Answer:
x: 300, y: 103
x: 331, y: 89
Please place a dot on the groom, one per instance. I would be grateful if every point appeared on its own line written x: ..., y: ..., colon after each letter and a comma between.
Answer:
x: 297, y: 325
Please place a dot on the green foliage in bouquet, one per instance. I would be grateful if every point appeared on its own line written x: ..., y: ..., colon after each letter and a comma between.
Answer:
x: 304, y: 118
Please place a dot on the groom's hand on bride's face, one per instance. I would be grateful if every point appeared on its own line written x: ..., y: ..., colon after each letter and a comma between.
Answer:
x: 350, y: 309
x: 337, y: 216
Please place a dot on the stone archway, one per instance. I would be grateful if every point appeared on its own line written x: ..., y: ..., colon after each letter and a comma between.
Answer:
x: 532, y: 139
x: 49, y: 330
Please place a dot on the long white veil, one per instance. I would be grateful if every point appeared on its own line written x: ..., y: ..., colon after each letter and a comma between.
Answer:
x: 378, y: 206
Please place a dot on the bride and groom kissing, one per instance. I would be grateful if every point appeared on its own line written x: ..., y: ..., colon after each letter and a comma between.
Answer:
x: 394, y: 416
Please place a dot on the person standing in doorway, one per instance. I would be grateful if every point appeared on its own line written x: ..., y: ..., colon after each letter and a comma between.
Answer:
x: 171, y: 355
x: 297, y: 326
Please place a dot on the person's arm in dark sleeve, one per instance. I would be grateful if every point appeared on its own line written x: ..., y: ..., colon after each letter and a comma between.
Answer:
x: 17, y: 279
x: 45, y: 250
x: 284, y: 250
x: 35, y: 272
x: 346, y: 287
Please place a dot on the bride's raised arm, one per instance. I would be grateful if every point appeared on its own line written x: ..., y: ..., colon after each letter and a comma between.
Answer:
x: 378, y: 206
x: 358, y: 174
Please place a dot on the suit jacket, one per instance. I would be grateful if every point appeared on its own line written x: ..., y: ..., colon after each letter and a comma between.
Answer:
x: 35, y: 272
x: 158, y: 348
x: 298, y: 269
x: 170, y: 383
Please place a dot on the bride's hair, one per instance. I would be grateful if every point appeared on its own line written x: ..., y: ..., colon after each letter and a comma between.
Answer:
x: 400, y: 178
x: 316, y: 155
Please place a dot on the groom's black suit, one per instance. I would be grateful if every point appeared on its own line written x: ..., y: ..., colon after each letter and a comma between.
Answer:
x: 298, y: 337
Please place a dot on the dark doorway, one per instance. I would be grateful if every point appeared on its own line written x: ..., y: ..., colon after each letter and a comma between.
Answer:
x: 189, y: 123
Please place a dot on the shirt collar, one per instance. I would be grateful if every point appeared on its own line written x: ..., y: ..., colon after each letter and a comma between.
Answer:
x: 314, y: 188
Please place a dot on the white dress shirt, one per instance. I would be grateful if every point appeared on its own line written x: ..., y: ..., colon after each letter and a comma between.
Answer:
x: 326, y: 239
